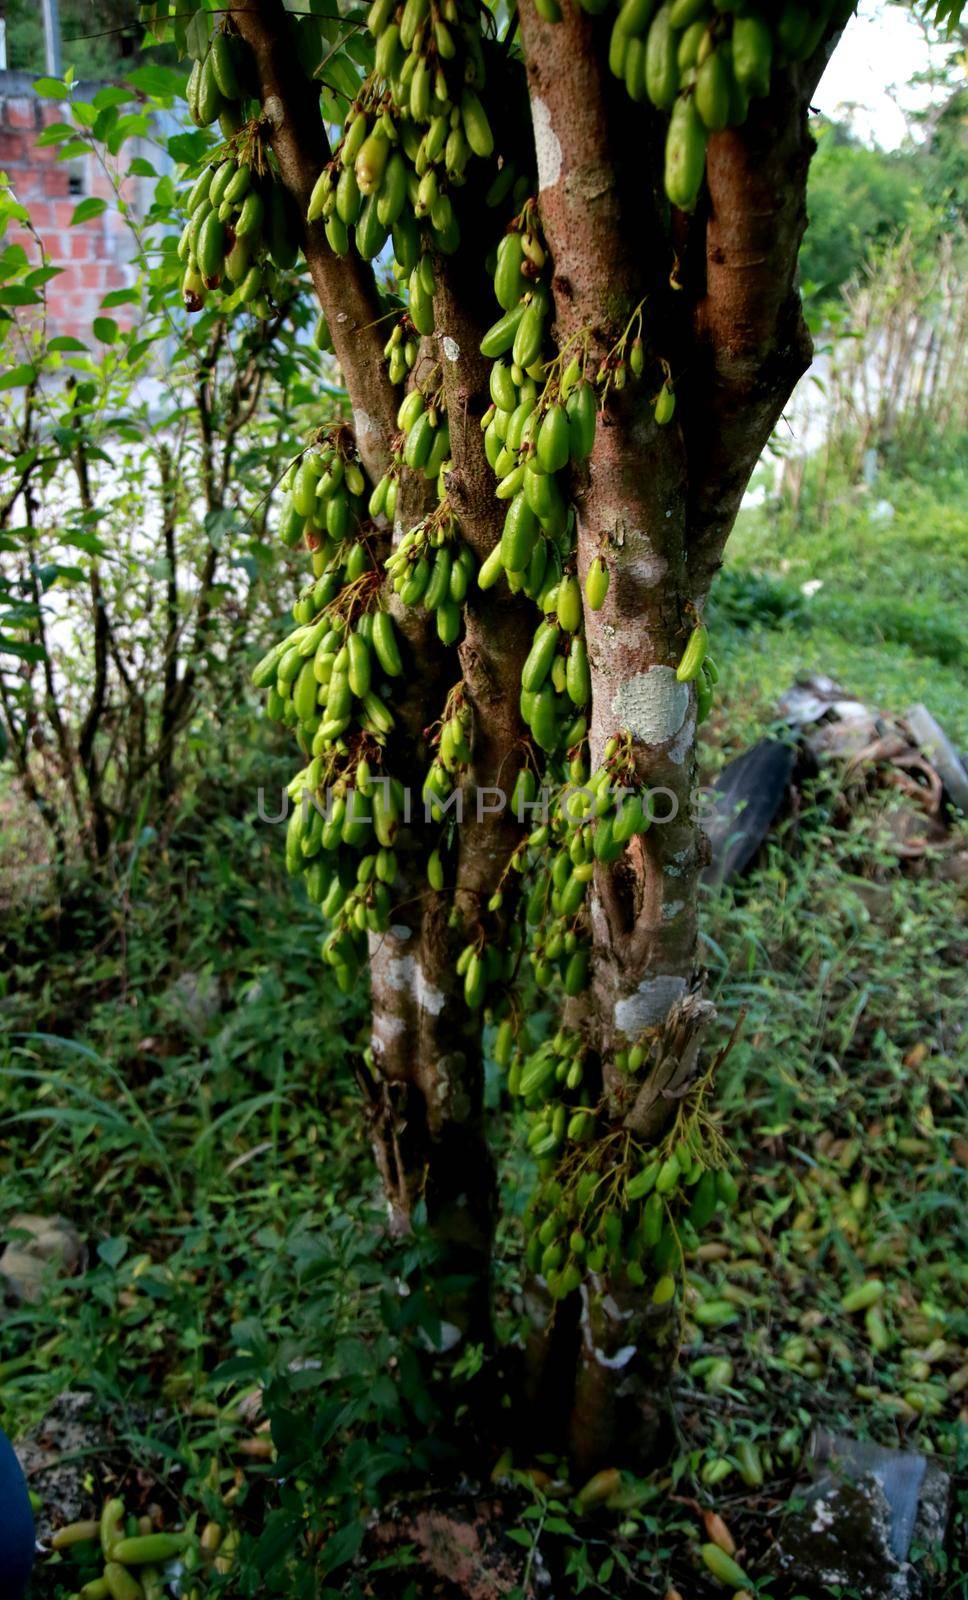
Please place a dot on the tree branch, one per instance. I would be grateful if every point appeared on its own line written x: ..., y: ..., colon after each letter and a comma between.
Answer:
x: 751, y: 342
x: 345, y: 286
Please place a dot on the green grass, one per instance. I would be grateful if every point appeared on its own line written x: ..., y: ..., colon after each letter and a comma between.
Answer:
x: 889, y: 619
x: 177, y: 1082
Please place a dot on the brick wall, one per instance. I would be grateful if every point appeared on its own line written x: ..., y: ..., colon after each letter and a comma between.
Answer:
x: 95, y: 255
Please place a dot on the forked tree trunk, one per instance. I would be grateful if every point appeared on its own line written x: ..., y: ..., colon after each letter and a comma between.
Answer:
x: 720, y: 309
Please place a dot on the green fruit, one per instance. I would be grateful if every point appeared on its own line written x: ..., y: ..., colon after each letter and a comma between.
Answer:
x: 519, y: 535
x: 684, y: 12
x: 693, y: 655
x: 617, y: 48
x: 385, y: 644
x: 509, y: 285
x: 576, y: 975
x: 371, y: 235
x: 500, y: 336
x: 634, y: 70
x: 249, y: 220
x: 633, y: 18
x: 554, y: 439
x: 304, y: 487
x: 222, y: 58
x: 529, y: 335
x: 596, y: 584
x: 209, y: 98
x: 542, y: 652
x: 665, y: 404
x: 419, y: 443
x: 724, y: 1567
x: 359, y: 665
x: 568, y: 604
x: 543, y: 720
x: 577, y: 675
x: 661, y: 67
x: 121, y: 1584
x: 664, y: 1290
x: 687, y: 51
x: 629, y: 819
x: 863, y: 1297
x: 685, y: 154
x: 582, y: 409
x: 448, y: 622
x: 211, y: 248
x: 149, y: 1548
x: 476, y: 125
x: 371, y: 163
x: 752, y: 54
x: 349, y: 201
x: 704, y: 1201
x: 712, y: 91
x: 490, y: 569
x: 502, y: 388
x: 438, y: 589
x: 669, y: 1174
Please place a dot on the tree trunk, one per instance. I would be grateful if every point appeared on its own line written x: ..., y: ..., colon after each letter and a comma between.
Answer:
x: 721, y: 323
x: 720, y: 316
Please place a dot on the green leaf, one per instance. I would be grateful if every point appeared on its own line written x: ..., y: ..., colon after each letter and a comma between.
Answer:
x: 163, y: 82
x: 66, y: 341
x: 41, y: 275
x: 342, y: 1547
x: 51, y: 88
x: 105, y: 329
x: 196, y: 36
x: 17, y: 294
x: 112, y: 1251
x: 23, y: 652
x: 93, y: 206
x: 72, y: 149
x: 54, y: 133
x: 140, y: 168
x: 111, y: 95
x: 18, y: 377
x: 122, y: 297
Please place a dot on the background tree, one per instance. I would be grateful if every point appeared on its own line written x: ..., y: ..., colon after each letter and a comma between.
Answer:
x: 578, y: 464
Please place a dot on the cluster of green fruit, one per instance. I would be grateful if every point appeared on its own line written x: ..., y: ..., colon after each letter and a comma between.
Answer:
x: 239, y: 233
x: 411, y: 131
x: 401, y: 349
x: 221, y: 83
x: 134, y: 1555
x: 323, y: 503
x: 483, y: 965
x: 589, y: 823
x: 344, y: 846
x: 703, y: 63
x: 242, y: 227
x: 431, y: 566
x: 452, y: 754
x: 602, y: 1210
x: 328, y: 679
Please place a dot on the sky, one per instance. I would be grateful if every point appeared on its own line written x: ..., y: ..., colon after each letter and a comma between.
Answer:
x: 881, y: 49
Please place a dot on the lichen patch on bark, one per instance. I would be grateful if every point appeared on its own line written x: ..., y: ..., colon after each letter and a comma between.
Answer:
x: 547, y: 145
x: 649, y: 1005
x: 652, y: 705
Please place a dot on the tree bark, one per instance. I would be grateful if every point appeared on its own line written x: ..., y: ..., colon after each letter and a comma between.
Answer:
x: 721, y: 316
x: 722, y: 322
x: 424, y: 1093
